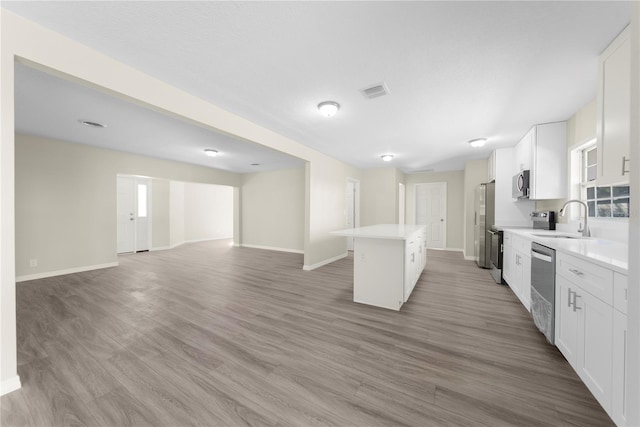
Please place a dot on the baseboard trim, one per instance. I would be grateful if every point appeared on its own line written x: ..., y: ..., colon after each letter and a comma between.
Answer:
x: 273, y: 248
x: 175, y: 245
x: 46, y: 274
x: 325, y: 262
x: 12, y: 384
x: 447, y: 249
x: 207, y: 239
x: 470, y: 258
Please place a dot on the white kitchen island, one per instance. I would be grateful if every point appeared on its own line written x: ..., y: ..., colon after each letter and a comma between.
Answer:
x: 387, y: 262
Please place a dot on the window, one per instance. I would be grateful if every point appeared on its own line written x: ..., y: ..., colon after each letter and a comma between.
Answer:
x: 590, y: 164
x: 610, y: 201
x: 142, y: 200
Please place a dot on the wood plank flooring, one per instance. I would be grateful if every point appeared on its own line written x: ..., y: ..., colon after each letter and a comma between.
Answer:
x: 209, y: 334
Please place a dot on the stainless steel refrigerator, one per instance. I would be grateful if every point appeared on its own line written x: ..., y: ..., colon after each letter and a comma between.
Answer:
x: 484, y: 220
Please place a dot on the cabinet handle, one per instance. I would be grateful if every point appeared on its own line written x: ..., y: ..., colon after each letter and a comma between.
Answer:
x: 571, y: 303
x: 576, y: 272
x: 625, y: 294
x: 575, y: 298
x: 624, y: 164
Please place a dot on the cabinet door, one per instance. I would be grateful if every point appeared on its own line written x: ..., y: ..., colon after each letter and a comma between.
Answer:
x: 515, y: 282
x: 523, y: 152
x: 618, y: 384
x: 507, y: 262
x: 614, y: 111
x: 595, y: 326
x: 525, y: 289
x: 409, y: 268
x: 566, y: 330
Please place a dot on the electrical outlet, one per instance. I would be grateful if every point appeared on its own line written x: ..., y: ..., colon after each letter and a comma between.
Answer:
x: 33, y: 262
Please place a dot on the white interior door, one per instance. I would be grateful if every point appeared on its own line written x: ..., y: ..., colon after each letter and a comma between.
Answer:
x: 431, y: 210
x: 142, y: 215
x: 126, y: 205
x: 133, y: 211
x: 353, y: 208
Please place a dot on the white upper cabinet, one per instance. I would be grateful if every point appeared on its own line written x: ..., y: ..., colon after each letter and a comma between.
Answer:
x: 614, y: 111
x: 523, y: 152
x: 543, y: 151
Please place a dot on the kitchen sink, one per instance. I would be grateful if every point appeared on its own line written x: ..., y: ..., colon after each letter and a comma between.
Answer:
x: 558, y: 236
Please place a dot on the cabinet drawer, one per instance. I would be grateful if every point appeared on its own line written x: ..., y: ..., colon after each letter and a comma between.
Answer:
x: 620, y: 284
x: 521, y: 244
x: 596, y: 280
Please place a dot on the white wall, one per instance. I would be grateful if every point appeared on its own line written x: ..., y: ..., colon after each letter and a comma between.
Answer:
x: 176, y: 213
x: 273, y: 210
x: 66, y: 202
x: 208, y: 212
x: 475, y: 173
x: 455, y: 202
x: 326, y: 210
x: 378, y: 197
x: 160, y: 225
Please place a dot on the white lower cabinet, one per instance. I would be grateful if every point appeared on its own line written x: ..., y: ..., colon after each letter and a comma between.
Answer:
x: 620, y: 362
x: 566, y: 332
x: 415, y: 261
x: 595, y: 325
x: 618, y: 384
x: 590, y: 332
x: 516, y: 260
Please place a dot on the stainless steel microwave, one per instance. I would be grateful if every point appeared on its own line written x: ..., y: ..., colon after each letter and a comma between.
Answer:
x: 520, y: 187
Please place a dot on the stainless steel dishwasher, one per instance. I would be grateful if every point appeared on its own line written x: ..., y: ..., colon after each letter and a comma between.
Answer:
x: 543, y: 289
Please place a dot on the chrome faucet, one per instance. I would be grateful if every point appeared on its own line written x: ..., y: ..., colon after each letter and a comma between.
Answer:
x: 585, y: 230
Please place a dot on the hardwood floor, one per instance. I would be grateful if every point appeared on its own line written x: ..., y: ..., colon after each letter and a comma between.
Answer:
x: 209, y: 334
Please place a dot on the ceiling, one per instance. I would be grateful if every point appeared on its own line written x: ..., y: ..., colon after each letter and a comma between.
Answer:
x: 455, y: 70
x: 50, y: 106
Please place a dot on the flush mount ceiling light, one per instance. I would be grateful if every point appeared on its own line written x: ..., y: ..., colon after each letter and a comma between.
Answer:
x: 387, y: 157
x: 210, y: 152
x: 328, y: 108
x: 92, y: 124
x: 478, y: 142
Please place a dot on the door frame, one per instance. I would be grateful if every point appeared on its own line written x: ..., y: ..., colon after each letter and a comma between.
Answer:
x: 137, y: 179
x: 443, y: 185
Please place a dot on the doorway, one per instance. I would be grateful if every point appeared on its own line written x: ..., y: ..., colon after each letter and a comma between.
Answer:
x: 431, y: 210
x: 353, y: 207
x: 133, y: 211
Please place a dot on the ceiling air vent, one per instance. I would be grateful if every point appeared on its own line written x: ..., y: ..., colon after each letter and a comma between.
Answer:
x: 375, y: 91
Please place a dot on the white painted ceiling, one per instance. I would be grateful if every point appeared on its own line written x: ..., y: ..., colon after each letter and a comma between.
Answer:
x: 455, y: 70
x: 53, y: 107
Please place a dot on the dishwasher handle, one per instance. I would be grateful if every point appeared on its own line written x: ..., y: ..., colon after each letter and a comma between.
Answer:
x: 541, y: 257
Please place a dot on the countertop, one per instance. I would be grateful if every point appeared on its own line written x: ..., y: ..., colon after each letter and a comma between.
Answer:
x: 381, y: 231
x: 607, y: 253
